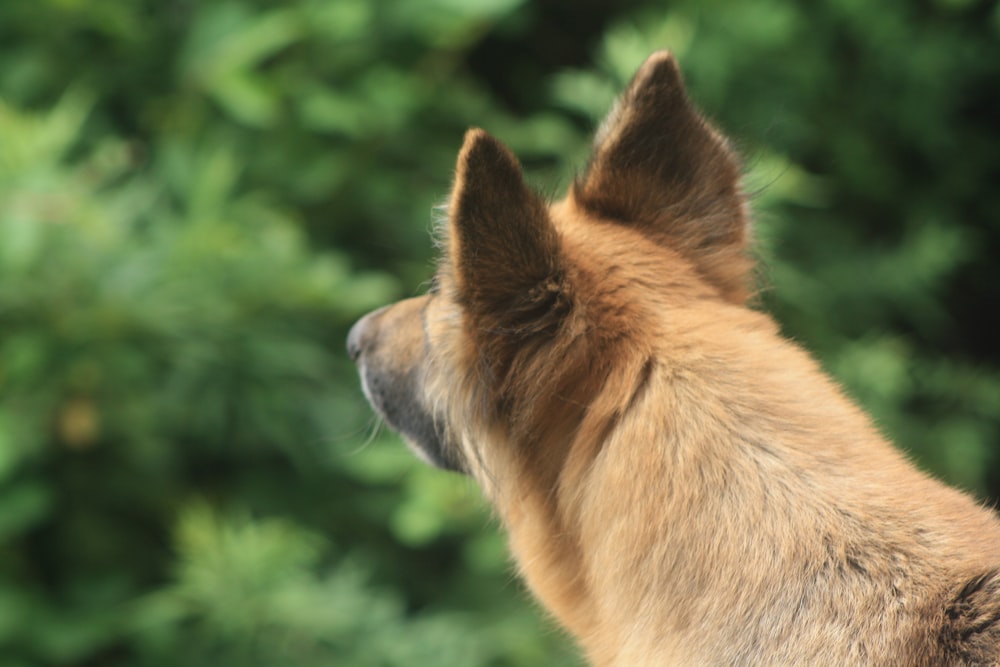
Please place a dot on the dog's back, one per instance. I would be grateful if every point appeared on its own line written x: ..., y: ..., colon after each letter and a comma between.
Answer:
x: 742, y: 511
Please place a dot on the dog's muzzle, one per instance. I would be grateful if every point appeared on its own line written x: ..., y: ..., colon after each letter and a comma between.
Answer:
x: 392, y: 381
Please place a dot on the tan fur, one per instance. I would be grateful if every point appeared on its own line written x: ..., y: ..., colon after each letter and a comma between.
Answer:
x: 681, y: 485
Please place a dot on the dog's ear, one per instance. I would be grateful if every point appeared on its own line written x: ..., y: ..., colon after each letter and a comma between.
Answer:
x: 658, y: 165
x: 503, y: 247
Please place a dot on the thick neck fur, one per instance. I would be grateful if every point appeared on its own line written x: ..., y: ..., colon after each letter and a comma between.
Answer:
x: 745, y: 446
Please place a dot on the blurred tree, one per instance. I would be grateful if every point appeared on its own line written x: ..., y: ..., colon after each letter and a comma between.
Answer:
x: 197, y: 198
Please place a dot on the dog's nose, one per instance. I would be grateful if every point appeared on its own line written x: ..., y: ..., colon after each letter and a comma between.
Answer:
x: 359, y: 337
x: 354, y: 338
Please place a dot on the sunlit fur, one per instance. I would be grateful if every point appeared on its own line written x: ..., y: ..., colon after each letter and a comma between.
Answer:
x: 680, y: 484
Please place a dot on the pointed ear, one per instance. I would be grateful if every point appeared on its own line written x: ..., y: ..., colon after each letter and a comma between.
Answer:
x: 503, y: 248
x: 659, y: 165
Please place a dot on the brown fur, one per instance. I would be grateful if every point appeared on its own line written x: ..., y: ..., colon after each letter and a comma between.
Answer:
x: 681, y: 485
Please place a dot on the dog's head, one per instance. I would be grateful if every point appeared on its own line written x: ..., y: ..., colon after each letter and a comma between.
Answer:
x: 544, y: 320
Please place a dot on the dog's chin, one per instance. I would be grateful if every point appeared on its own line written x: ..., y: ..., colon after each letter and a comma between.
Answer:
x: 433, y: 453
x: 399, y: 408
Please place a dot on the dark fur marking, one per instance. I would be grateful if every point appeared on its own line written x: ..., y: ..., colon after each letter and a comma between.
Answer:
x: 971, y: 631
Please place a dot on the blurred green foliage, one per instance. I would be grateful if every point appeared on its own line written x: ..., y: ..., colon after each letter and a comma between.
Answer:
x: 198, y: 198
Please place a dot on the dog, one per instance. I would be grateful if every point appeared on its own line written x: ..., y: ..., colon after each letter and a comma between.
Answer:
x: 680, y: 484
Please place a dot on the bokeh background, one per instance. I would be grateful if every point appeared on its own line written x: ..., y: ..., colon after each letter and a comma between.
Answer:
x: 198, y: 197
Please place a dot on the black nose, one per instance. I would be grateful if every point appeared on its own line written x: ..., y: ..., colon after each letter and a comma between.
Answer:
x: 354, y: 339
x: 364, y: 333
